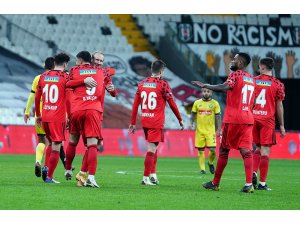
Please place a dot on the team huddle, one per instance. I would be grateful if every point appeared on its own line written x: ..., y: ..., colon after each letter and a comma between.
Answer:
x: 75, y: 101
x: 249, y: 118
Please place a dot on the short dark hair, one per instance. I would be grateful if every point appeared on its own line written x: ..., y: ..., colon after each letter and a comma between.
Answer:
x: 85, y: 56
x: 61, y: 58
x: 246, y: 58
x: 157, y: 66
x: 268, y: 62
x: 49, y: 63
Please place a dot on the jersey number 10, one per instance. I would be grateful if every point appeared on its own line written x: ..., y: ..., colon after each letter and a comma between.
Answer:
x: 51, y: 94
x: 151, y: 100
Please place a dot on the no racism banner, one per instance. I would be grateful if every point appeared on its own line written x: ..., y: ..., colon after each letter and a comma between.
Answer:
x: 234, y: 34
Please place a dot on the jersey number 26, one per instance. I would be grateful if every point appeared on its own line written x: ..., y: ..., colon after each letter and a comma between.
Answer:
x: 151, y: 103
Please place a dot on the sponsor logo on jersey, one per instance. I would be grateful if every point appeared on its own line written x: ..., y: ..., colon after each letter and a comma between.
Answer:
x: 87, y: 72
x: 263, y: 83
x: 205, y: 112
x: 248, y: 79
x: 149, y: 85
x: 51, y: 79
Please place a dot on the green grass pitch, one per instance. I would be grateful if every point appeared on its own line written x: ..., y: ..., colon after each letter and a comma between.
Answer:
x: 179, y: 186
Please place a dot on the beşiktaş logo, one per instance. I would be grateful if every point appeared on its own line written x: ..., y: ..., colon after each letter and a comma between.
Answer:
x: 296, y: 35
x: 185, y: 32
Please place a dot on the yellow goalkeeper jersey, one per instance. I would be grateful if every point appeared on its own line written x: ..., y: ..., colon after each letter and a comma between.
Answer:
x: 205, y: 115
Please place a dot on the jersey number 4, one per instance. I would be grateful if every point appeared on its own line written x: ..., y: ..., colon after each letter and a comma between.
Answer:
x: 151, y: 103
x: 261, y: 98
x: 51, y: 93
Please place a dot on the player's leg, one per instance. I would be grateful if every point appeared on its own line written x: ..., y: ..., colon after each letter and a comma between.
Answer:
x: 257, y: 134
x: 222, y: 160
x: 159, y: 133
x: 92, y: 131
x: 211, y: 144
x: 75, y: 128
x: 62, y: 155
x: 148, y: 162
x: 245, y: 146
x: 70, y: 154
x: 56, y: 133
x: 54, y: 158
x: 39, y: 152
x: 200, y: 145
x: 82, y: 175
x: 92, y: 160
x: 267, y: 140
x: 201, y: 160
x: 263, y: 168
x: 211, y: 159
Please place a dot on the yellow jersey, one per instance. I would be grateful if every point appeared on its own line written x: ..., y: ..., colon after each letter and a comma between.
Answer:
x: 205, y: 115
x: 33, y: 90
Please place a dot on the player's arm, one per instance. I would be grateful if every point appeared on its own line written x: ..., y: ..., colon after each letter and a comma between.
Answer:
x: 31, y: 98
x: 88, y: 82
x: 218, y: 88
x: 192, y: 119
x: 175, y: 110
x: 217, y: 111
x: 109, y: 86
x: 37, y: 105
x: 280, y: 112
x: 219, y: 124
x: 135, y: 107
x: 28, y: 106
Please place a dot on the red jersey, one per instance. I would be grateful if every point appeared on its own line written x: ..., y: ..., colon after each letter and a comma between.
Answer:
x: 152, y: 95
x: 51, y: 88
x: 108, y: 72
x: 268, y: 91
x: 84, y: 98
x: 240, y: 98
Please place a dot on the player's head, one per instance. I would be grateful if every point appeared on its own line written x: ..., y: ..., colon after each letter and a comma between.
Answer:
x: 158, y: 68
x: 266, y: 65
x: 206, y: 93
x: 49, y: 63
x: 240, y: 61
x: 61, y: 60
x: 98, y: 59
x: 83, y: 57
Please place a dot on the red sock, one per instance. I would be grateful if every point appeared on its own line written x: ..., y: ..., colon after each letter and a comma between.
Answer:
x: 248, y: 166
x: 221, y: 164
x: 84, y: 165
x: 148, y: 163
x: 256, y: 160
x: 70, y: 154
x: 153, y: 169
x: 92, y: 158
x: 263, y: 168
x: 53, y: 163
x: 47, y: 156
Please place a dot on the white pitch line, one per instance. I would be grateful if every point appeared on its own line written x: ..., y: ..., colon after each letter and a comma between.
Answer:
x: 178, y: 176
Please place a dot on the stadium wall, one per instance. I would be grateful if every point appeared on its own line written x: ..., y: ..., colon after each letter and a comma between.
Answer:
x: 117, y: 142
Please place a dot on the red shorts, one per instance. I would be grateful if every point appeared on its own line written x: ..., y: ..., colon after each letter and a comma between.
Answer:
x: 263, y: 135
x: 86, y: 123
x: 55, y: 131
x: 237, y: 136
x: 154, y: 135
